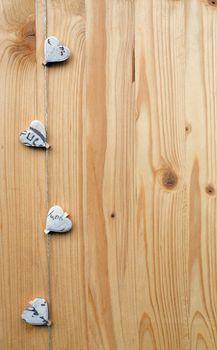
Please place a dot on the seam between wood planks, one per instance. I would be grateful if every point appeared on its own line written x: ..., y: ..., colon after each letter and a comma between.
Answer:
x: 46, y: 168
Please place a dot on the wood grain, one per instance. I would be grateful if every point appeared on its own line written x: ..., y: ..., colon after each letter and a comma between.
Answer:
x: 66, y: 177
x: 131, y: 119
x: 110, y: 169
x: 162, y: 234
x: 23, y: 258
x: 202, y: 172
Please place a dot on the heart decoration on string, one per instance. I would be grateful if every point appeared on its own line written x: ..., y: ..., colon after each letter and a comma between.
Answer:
x: 35, y: 135
x: 57, y: 221
x: 55, y: 51
x: 37, y: 313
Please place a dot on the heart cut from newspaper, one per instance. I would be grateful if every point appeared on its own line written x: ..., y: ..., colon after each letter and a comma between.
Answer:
x: 57, y: 221
x: 36, y: 313
x: 35, y: 135
x: 55, y: 51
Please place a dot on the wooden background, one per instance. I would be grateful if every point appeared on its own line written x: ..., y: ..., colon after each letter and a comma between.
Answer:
x: 132, y: 120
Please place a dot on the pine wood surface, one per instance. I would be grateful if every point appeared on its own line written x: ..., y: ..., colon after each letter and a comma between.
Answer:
x: 131, y: 118
x: 23, y: 257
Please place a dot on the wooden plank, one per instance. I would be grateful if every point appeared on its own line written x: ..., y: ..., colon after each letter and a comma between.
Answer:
x: 131, y: 121
x: 162, y: 236
x: 201, y: 108
x: 23, y: 262
x: 112, y: 315
x: 66, y: 110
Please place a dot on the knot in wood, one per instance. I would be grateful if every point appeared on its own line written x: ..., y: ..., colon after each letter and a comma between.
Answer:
x: 25, y: 42
x: 212, y: 2
x: 188, y: 128
x: 168, y: 179
x: 210, y: 190
x: 27, y: 35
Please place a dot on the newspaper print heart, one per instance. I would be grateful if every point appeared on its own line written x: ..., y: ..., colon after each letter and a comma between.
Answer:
x: 55, y: 51
x: 37, y: 313
x: 57, y: 221
x: 35, y: 135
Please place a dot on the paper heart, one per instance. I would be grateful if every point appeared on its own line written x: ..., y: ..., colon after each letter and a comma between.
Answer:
x: 55, y: 51
x: 37, y: 313
x: 57, y: 221
x: 35, y: 135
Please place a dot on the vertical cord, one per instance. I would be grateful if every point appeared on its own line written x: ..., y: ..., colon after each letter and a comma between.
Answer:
x: 46, y: 167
